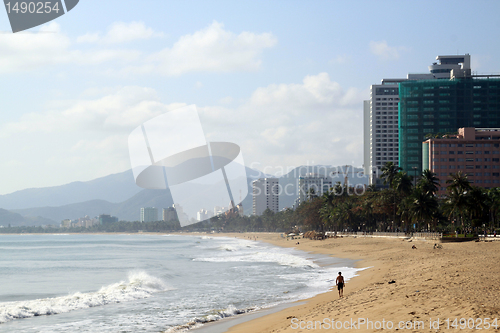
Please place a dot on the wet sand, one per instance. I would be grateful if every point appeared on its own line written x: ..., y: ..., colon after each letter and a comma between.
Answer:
x: 461, y: 280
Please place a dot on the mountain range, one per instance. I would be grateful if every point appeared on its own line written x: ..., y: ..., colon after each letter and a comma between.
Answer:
x: 118, y: 195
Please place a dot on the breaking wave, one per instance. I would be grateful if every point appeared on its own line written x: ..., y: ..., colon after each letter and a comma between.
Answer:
x: 139, y: 285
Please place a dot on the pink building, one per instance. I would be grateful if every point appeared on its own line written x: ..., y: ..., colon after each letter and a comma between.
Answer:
x: 474, y: 151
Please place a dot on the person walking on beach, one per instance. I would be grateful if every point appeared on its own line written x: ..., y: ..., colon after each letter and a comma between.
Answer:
x: 340, y: 284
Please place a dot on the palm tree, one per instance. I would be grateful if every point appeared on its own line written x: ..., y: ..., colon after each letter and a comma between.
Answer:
x: 403, y: 183
x: 429, y: 183
x: 311, y: 194
x: 423, y: 206
x: 389, y: 172
x: 458, y: 181
x: 478, y: 205
x: 494, y: 196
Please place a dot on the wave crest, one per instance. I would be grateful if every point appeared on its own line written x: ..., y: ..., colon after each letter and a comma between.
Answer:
x: 140, y: 285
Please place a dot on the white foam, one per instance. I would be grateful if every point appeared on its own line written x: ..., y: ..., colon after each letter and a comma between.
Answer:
x: 264, y: 256
x: 214, y: 316
x: 140, y: 285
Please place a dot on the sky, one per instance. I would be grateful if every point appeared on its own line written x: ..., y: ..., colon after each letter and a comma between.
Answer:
x: 285, y: 80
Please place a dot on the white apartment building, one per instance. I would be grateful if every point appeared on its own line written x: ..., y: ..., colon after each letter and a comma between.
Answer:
x: 381, y: 127
x: 380, y: 113
x: 204, y: 214
x: 320, y: 184
x: 265, y: 195
x: 149, y: 214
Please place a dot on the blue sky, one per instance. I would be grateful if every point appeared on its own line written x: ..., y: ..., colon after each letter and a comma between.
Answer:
x: 283, y: 79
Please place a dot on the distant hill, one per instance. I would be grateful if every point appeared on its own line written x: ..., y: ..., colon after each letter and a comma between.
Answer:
x: 123, y: 198
x: 113, y: 188
x: 127, y: 209
x: 14, y: 219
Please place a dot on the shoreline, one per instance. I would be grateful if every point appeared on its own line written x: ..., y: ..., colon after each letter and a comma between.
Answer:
x: 264, y: 320
x: 431, y: 286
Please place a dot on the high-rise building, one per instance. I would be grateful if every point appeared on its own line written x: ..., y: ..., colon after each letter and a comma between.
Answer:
x: 149, y: 214
x: 432, y: 108
x: 265, y: 195
x: 381, y: 127
x: 381, y: 117
x: 169, y: 214
x: 311, y: 182
x: 475, y: 152
x: 204, y: 214
x: 104, y: 219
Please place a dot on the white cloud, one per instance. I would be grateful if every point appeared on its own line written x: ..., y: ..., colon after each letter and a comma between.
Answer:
x: 121, y: 32
x: 384, y: 51
x: 27, y: 51
x: 316, y: 121
x: 213, y: 49
x: 313, y: 122
x: 77, y: 140
x: 120, y: 111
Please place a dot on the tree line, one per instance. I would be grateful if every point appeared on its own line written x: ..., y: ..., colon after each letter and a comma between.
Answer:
x: 407, y: 205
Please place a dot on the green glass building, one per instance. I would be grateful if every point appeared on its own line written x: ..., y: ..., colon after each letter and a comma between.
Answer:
x: 442, y: 106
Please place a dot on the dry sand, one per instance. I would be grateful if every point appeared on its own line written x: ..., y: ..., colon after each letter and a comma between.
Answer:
x: 461, y: 280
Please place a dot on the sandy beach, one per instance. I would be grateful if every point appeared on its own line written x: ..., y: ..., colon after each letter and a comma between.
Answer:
x: 460, y: 280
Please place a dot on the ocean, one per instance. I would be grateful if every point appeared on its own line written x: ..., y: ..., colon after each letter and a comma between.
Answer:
x: 149, y: 283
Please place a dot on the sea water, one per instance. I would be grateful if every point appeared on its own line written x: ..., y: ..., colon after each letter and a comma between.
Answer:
x: 149, y: 283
